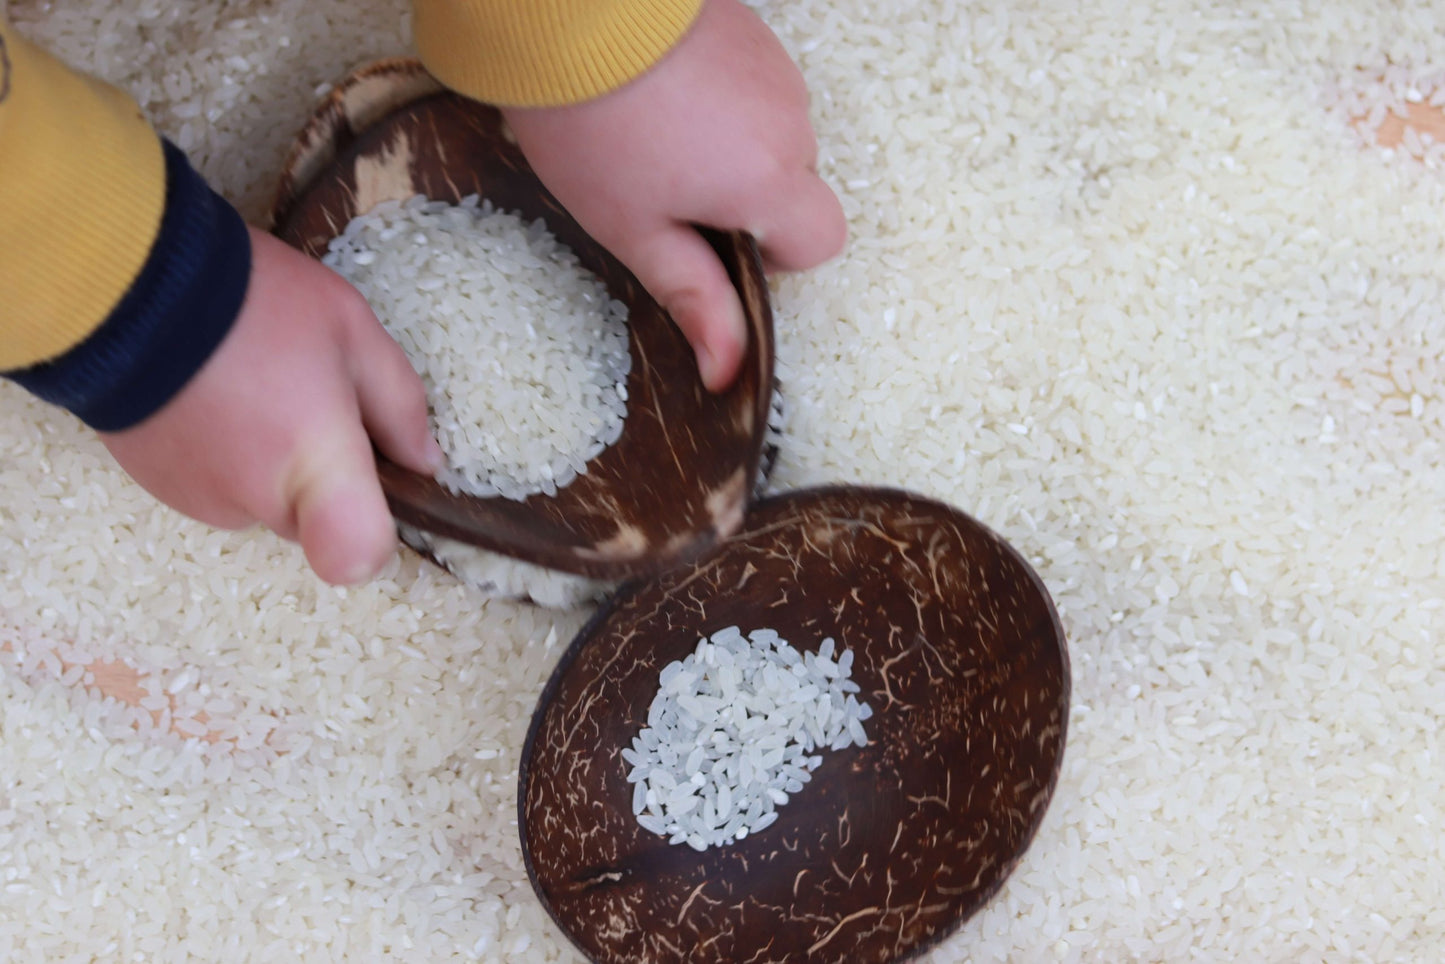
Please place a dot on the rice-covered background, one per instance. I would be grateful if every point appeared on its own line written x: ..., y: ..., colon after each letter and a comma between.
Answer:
x: 1124, y: 282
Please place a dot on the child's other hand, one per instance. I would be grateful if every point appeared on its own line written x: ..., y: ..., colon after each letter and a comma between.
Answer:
x: 716, y: 133
x: 274, y: 427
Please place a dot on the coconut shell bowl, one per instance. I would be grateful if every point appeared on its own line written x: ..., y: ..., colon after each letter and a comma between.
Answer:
x: 958, y: 651
x: 891, y: 846
x: 680, y: 476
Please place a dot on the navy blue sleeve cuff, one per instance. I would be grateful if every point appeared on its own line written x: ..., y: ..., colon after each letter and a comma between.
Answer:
x: 173, y: 317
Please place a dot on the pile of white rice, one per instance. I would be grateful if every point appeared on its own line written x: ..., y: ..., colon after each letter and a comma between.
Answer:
x: 732, y: 732
x: 1124, y: 282
x: 523, y: 351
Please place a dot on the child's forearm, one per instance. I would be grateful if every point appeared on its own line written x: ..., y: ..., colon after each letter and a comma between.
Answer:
x: 536, y: 53
x: 82, y: 185
x: 120, y: 270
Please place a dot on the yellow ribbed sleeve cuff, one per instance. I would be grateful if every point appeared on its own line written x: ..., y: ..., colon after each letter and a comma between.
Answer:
x: 545, y: 53
x: 82, y: 188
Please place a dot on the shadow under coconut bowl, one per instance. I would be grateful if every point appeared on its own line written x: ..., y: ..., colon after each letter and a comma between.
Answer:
x: 680, y: 476
x: 890, y: 846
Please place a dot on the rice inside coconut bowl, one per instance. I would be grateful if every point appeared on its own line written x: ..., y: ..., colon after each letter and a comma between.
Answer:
x: 1136, y: 288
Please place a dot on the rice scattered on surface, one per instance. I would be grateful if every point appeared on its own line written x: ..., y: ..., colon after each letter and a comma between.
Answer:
x: 1122, y: 282
x: 733, y: 731
x: 523, y: 351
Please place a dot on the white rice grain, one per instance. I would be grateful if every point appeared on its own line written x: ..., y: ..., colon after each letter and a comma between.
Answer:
x: 711, y: 763
x: 522, y: 350
x: 1248, y: 778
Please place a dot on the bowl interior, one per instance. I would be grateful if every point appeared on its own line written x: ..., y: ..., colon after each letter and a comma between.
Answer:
x: 891, y: 846
x: 679, y: 478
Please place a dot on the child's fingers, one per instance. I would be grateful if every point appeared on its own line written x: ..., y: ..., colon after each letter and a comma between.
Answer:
x: 392, y: 398
x: 683, y: 273
x: 802, y: 226
x: 342, y: 521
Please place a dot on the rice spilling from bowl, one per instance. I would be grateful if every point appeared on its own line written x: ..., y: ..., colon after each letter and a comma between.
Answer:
x: 523, y: 351
x: 733, y: 732
x: 501, y: 576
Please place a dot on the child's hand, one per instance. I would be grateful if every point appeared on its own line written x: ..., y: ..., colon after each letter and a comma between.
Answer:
x: 717, y: 133
x: 274, y: 427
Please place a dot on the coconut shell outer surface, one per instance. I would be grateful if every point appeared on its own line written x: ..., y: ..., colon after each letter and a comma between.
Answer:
x: 890, y: 847
x: 681, y: 475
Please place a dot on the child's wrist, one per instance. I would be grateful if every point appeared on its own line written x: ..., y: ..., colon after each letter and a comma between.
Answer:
x: 175, y: 314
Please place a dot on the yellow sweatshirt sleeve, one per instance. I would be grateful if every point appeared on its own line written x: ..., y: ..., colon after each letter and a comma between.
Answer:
x: 543, y: 53
x: 82, y: 188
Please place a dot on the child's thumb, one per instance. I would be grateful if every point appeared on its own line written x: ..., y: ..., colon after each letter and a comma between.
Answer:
x: 342, y: 521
